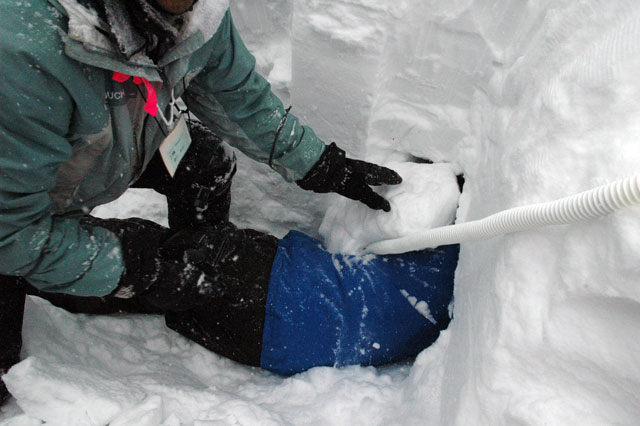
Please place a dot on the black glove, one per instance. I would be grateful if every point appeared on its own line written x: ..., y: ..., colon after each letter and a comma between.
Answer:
x: 140, y: 241
x: 179, y: 271
x: 212, y: 262
x: 351, y: 178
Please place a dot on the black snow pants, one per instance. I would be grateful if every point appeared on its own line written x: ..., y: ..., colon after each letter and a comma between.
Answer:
x: 11, y: 312
x: 231, y: 326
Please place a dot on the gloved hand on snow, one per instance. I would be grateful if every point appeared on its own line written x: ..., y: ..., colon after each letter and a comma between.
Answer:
x: 350, y: 178
x: 178, y: 271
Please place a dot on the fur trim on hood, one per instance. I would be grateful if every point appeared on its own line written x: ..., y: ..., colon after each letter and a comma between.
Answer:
x: 86, y: 27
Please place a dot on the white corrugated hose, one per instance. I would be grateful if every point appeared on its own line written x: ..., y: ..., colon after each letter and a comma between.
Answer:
x: 587, y: 205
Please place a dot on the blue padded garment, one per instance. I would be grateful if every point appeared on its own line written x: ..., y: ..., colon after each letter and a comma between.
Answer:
x: 335, y: 310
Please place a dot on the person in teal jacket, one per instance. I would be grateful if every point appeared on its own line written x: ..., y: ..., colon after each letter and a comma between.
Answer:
x: 87, y: 91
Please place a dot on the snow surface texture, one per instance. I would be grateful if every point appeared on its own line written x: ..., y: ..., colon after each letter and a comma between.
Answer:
x: 133, y: 371
x: 349, y: 226
x: 533, y: 101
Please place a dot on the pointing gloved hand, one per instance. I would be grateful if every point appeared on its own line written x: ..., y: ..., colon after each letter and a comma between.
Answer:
x: 350, y: 178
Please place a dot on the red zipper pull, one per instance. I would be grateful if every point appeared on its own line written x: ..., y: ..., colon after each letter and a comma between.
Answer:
x: 151, y: 104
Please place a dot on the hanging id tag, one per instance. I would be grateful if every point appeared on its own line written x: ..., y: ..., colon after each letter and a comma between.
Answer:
x: 175, y: 145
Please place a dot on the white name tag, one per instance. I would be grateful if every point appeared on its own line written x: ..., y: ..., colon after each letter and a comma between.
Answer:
x: 175, y: 145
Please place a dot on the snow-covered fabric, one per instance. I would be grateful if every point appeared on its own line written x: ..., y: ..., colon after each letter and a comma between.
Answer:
x: 336, y: 310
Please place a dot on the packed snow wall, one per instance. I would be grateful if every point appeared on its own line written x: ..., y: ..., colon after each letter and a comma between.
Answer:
x: 549, y: 319
x: 532, y: 101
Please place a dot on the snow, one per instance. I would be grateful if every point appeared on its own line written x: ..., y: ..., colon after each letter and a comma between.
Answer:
x: 349, y: 226
x: 420, y: 305
x: 532, y: 101
x: 132, y: 370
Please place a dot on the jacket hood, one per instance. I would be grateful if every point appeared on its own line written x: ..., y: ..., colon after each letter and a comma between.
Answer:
x: 85, y: 26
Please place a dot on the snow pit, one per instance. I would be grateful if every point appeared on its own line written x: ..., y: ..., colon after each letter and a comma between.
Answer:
x: 533, y: 101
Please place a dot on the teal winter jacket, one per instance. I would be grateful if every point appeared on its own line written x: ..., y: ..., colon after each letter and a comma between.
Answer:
x: 72, y: 138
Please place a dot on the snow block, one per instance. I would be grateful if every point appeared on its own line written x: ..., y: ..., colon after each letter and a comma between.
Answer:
x: 427, y: 198
x: 328, y: 309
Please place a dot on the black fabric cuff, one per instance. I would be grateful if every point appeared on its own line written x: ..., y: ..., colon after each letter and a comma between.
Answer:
x: 329, y: 169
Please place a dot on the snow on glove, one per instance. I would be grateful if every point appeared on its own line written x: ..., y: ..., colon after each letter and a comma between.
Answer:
x: 156, y: 274
x: 178, y: 271
x: 350, y: 178
x: 222, y: 262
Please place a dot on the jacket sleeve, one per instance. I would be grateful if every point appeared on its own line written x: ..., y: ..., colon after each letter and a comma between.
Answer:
x: 230, y: 97
x: 53, y: 253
